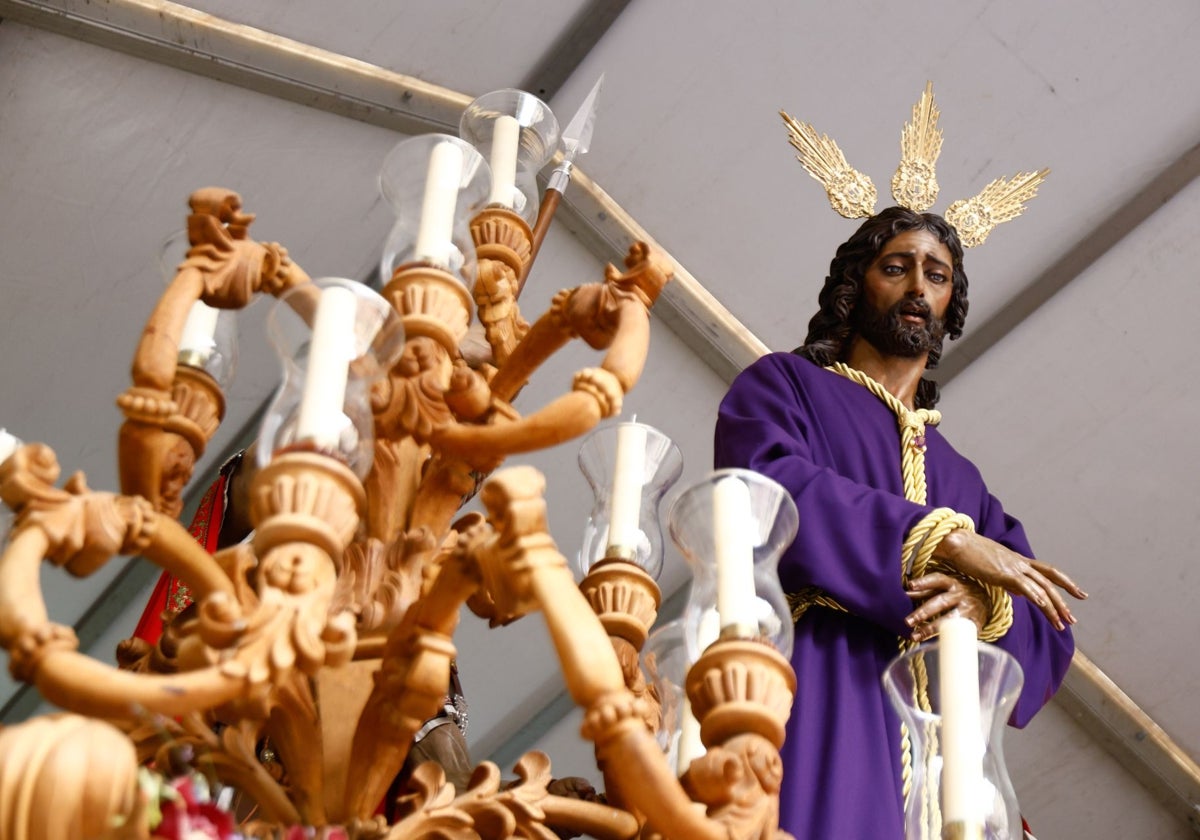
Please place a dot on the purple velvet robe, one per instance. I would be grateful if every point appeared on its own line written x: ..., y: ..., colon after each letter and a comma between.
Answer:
x: 836, y: 448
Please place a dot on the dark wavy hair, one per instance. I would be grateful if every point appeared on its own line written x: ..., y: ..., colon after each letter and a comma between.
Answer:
x: 831, y: 329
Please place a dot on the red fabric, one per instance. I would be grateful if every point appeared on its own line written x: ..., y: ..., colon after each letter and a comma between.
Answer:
x: 170, y: 594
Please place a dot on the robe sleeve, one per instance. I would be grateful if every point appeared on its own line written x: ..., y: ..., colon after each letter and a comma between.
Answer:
x: 851, y: 534
x: 1043, y: 652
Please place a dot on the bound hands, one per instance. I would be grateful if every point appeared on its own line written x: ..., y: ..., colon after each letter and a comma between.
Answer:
x: 982, y: 559
x: 940, y: 594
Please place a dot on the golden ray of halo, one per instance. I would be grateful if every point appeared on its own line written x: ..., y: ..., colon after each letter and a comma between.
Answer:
x: 998, y: 202
x: 851, y: 193
x: 915, y: 183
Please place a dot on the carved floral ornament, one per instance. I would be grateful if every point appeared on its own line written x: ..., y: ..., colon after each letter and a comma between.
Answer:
x: 338, y: 617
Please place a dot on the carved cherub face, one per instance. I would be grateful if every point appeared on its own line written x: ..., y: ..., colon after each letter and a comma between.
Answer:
x: 177, y: 469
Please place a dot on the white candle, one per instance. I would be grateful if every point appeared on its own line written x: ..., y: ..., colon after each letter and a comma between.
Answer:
x: 709, y: 631
x: 962, y: 737
x: 437, y: 209
x: 329, y: 356
x: 503, y: 160
x: 628, y: 477
x: 199, y: 329
x: 732, y: 530
x: 690, y: 745
x: 8, y: 445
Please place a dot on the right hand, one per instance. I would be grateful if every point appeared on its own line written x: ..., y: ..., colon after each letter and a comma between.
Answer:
x: 939, y: 595
x: 988, y: 561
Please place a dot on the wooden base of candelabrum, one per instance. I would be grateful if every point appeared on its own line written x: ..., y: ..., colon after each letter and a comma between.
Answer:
x: 431, y: 303
x: 739, y: 687
x: 306, y: 497
x: 199, y: 408
x: 625, y: 598
x: 741, y: 692
x: 200, y: 404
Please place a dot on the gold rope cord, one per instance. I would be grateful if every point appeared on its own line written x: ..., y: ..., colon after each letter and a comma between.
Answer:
x: 912, y: 470
x: 912, y: 466
x: 912, y: 431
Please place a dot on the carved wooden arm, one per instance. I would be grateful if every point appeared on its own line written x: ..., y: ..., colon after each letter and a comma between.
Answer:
x: 613, y: 315
x: 243, y: 642
x: 524, y: 571
x: 441, y: 425
x: 80, y: 530
x: 170, y: 418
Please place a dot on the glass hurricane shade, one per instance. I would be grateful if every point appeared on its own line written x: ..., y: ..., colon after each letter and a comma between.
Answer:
x: 435, y: 183
x: 209, y: 338
x: 518, y: 134
x: 733, y: 550
x: 640, y: 463
x: 363, y: 347
x: 665, y: 662
x: 914, y: 685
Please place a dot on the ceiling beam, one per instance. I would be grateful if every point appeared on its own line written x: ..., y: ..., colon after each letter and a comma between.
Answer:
x: 582, y: 34
x: 181, y: 37
x: 184, y: 38
x: 1132, y: 737
x: 1123, y: 220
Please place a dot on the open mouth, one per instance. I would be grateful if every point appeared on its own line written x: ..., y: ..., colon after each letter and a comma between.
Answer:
x: 914, y: 314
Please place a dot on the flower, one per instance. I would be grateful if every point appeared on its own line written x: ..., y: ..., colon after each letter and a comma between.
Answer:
x: 189, y: 813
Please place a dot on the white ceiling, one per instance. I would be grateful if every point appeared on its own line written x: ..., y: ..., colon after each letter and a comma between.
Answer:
x: 1072, y: 389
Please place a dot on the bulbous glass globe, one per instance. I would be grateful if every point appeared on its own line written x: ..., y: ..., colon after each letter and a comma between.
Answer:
x: 913, y: 682
x: 506, y: 122
x: 764, y: 527
x: 653, y: 463
x: 436, y: 183
x: 209, y: 338
x: 665, y: 663
x: 366, y: 341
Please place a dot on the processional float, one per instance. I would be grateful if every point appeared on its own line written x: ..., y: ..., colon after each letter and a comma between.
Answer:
x: 330, y: 632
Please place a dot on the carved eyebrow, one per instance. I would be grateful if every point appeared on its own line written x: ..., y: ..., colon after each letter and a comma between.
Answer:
x: 912, y: 255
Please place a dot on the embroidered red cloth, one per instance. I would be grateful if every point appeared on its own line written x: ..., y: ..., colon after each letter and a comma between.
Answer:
x: 171, y: 594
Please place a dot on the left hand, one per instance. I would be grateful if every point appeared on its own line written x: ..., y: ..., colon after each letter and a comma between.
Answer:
x: 940, y: 594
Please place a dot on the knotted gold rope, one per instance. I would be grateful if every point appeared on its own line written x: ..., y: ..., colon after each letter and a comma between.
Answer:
x: 917, y: 552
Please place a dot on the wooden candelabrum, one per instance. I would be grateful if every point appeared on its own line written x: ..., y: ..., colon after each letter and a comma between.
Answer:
x: 314, y: 653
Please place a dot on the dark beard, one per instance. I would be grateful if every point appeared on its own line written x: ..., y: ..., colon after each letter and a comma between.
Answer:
x: 888, y: 334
